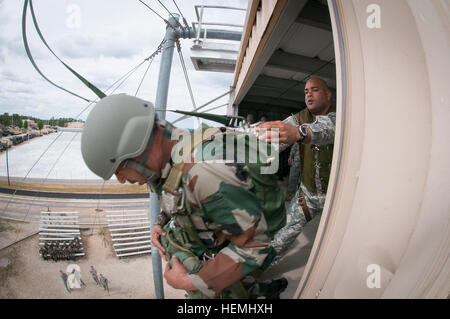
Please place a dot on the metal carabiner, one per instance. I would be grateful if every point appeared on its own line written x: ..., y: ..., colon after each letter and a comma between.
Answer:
x: 180, y: 198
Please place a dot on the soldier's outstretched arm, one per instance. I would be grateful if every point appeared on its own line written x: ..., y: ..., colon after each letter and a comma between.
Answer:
x: 278, y: 131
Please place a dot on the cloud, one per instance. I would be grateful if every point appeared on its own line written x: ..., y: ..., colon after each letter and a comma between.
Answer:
x: 111, y: 38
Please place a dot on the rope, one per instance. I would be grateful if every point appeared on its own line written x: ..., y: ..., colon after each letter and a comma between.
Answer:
x: 180, y: 54
x: 183, y: 65
x: 184, y: 19
x: 30, y: 57
x: 215, y: 107
x: 96, y: 220
x: 127, y: 75
x: 167, y: 22
x: 124, y: 77
x: 92, y: 87
x: 153, y: 11
x: 151, y: 57
x: 200, y: 107
x: 170, y: 13
x: 143, y: 77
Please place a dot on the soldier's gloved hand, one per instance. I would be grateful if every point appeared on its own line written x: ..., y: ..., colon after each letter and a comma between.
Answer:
x: 177, y: 276
x: 158, y: 232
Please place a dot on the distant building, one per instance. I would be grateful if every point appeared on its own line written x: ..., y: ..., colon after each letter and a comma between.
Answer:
x: 31, y: 124
x: 74, y: 124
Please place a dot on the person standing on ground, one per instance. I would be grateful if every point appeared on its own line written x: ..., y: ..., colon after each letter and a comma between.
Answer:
x: 64, y: 278
x: 104, y: 282
x: 94, y: 275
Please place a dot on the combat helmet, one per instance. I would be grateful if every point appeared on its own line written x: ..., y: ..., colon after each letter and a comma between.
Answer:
x: 118, y: 128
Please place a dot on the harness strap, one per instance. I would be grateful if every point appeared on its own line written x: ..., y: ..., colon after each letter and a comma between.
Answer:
x: 149, y: 174
x: 305, y: 208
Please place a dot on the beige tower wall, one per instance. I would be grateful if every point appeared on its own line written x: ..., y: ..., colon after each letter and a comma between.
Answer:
x: 388, y: 201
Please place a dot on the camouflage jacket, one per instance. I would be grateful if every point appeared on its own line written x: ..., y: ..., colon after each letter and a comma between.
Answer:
x: 227, y: 205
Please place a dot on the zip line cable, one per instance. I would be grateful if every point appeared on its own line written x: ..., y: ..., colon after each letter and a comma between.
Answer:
x: 215, y: 107
x: 123, y: 78
x: 167, y: 22
x: 184, y: 19
x: 92, y: 87
x: 143, y: 77
x: 183, y: 65
x: 170, y: 13
x: 17, y: 188
x: 99, y: 93
x: 148, y: 67
x: 96, y: 220
x: 200, y: 107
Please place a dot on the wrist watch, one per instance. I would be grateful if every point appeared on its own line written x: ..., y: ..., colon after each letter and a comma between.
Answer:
x: 303, y: 132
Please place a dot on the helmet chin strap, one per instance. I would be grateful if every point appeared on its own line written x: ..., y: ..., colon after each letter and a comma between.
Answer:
x: 148, y: 174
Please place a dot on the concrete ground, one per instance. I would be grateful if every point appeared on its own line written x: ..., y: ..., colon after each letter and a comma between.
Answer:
x: 292, y: 265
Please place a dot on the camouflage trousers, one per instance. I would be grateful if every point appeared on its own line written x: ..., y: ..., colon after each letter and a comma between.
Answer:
x: 293, y: 181
x: 296, y: 221
x: 294, y: 172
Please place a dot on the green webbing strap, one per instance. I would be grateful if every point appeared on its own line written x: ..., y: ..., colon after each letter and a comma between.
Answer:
x: 99, y: 93
x: 238, y: 291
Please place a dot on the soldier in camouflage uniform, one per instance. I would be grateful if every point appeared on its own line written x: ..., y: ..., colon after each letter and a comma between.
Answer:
x: 219, y: 214
x: 313, y: 129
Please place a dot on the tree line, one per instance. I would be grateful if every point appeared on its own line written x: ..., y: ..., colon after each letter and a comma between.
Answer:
x: 16, y: 120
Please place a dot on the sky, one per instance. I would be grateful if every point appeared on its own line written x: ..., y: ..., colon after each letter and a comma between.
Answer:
x: 102, y: 40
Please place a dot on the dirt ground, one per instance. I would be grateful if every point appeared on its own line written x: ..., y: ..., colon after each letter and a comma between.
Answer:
x: 25, y: 275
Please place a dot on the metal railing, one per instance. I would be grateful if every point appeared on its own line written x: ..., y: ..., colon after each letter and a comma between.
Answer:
x: 197, y: 26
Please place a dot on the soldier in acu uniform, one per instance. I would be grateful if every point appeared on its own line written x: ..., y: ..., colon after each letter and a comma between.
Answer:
x: 218, y: 217
x: 104, y: 282
x: 313, y: 129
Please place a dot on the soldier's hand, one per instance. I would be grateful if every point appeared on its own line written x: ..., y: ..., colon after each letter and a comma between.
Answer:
x: 278, y: 131
x: 177, y: 276
x: 157, y: 233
